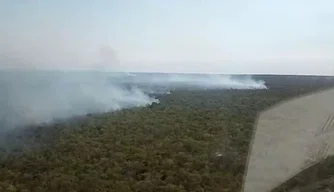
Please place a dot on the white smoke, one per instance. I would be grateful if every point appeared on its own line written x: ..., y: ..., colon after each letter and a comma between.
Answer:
x: 199, y: 81
x: 41, y: 96
x: 29, y: 97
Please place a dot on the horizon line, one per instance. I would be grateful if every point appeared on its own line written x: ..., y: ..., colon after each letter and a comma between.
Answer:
x: 158, y: 72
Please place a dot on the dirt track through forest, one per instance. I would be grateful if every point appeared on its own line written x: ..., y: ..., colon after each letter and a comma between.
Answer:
x: 288, y: 138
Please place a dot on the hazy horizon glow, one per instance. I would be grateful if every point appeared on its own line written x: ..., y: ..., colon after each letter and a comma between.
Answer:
x: 284, y: 37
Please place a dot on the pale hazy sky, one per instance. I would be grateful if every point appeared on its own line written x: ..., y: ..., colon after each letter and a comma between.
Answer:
x: 223, y: 36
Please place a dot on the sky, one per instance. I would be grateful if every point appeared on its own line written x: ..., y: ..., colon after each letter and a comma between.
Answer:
x: 209, y: 36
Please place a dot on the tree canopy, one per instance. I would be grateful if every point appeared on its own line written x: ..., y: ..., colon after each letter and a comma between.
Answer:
x: 193, y: 140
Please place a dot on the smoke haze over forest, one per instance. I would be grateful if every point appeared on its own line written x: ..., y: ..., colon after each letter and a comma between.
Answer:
x: 42, y: 96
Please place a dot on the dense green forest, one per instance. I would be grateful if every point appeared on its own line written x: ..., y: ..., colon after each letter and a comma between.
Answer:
x: 191, y: 141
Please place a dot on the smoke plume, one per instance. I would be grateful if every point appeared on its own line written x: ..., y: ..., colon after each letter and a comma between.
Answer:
x: 35, y: 96
x: 30, y: 97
